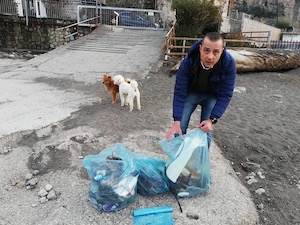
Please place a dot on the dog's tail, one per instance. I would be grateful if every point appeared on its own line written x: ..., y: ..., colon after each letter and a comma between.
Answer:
x: 134, y: 84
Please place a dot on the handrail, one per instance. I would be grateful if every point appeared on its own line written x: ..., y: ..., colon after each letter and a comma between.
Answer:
x: 64, y: 29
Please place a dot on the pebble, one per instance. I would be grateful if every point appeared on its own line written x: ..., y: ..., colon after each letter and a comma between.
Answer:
x: 261, y: 176
x: 35, y: 172
x: 260, y: 206
x: 51, y: 195
x: 192, y: 216
x: 43, y: 200
x: 32, y: 182
x: 260, y: 191
x: 251, y: 181
x: 42, y: 193
x: 48, y: 187
x: 28, y: 176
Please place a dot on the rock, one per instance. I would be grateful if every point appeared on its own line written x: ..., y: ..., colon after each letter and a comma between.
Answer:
x: 251, y: 181
x: 261, y: 176
x: 35, y: 172
x: 42, y: 193
x: 28, y: 176
x: 192, y: 216
x: 32, y: 182
x: 51, y: 195
x: 43, y: 200
x: 239, y: 90
x: 249, y: 177
x: 260, y: 206
x: 48, y: 187
x: 260, y: 191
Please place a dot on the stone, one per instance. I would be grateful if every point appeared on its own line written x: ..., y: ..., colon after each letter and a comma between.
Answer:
x: 251, y: 181
x: 43, y: 200
x: 48, y: 187
x: 42, y: 193
x: 32, y: 182
x: 51, y: 195
x: 260, y: 206
x: 260, y: 191
x: 35, y: 172
x: 240, y: 90
x: 28, y: 176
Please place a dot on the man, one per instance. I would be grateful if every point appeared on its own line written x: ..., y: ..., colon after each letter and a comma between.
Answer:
x: 206, y: 77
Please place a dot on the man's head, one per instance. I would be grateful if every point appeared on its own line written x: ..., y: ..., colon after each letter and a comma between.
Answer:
x: 211, y: 49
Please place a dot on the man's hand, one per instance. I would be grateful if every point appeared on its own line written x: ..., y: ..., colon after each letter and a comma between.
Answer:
x: 206, y: 125
x: 175, y: 129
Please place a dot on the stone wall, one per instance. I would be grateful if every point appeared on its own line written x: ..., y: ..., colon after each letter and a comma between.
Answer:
x: 40, y: 34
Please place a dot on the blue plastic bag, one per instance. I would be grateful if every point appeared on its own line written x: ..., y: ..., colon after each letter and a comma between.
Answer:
x: 153, y: 216
x: 188, y: 168
x: 113, y: 178
x: 152, y: 179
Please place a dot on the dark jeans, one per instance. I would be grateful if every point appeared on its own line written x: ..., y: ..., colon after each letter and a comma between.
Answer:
x: 207, y: 102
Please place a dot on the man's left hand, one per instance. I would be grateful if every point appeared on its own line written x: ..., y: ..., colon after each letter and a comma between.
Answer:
x: 206, y: 125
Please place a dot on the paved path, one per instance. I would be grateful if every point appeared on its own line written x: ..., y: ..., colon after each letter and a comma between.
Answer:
x: 38, y: 94
x: 31, y: 104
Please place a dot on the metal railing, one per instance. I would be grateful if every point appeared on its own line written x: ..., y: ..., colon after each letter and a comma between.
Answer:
x: 123, y: 17
x: 35, y: 8
x: 71, y: 32
x: 179, y: 46
x: 285, y: 44
x: 9, y: 7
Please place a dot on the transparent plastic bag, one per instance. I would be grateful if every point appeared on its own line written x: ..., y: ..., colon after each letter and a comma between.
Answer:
x: 152, y: 179
x: 113, y: 178
x: 188, y: 168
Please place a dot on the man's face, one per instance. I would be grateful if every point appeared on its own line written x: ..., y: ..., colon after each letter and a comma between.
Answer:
x: 210, y: 52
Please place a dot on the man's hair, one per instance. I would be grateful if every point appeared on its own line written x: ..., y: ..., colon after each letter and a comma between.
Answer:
x: 213, y: 36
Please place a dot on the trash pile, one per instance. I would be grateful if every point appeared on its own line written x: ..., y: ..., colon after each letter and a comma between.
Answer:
x: 117, y: 175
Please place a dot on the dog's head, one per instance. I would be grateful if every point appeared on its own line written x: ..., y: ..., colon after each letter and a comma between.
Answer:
x: 118, y: 79
x: 106, y: 79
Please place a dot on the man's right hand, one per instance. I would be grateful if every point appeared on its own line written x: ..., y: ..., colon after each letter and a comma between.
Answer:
x: 175, y: 129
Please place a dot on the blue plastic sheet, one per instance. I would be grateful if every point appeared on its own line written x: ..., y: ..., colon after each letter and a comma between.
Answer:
x: 153, y: 216
x: 188, y: 168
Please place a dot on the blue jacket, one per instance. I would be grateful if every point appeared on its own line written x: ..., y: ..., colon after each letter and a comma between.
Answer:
x: 222, y: 80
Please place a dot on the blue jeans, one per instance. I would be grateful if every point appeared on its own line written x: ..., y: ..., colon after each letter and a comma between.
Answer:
x: 207, y: 102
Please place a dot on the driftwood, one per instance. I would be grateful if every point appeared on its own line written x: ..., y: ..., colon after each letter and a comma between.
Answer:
x: 255, y: 60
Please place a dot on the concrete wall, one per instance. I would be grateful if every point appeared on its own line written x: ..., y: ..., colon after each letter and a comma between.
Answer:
x: 291, y: 37
x: 252, y: 25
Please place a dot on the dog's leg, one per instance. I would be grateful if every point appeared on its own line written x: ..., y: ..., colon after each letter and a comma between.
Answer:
x: 114, y: 98
x: 130, y: 101
x: 138, y: 100
x: 126, y: 99
x: 122, y: 98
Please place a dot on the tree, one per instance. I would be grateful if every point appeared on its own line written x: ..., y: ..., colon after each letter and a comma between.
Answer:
x: 193, y: 16
x: 283, y: 23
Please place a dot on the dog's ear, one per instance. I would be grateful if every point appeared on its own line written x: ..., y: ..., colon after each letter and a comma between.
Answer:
x: 109, y: 77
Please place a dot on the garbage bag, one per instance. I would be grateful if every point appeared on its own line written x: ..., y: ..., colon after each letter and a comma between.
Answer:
x: 152, y: 178
x: 188, y: 168
x: 113, y: 178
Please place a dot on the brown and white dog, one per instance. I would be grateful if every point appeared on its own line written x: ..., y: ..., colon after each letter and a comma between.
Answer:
x: 112, y: 88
